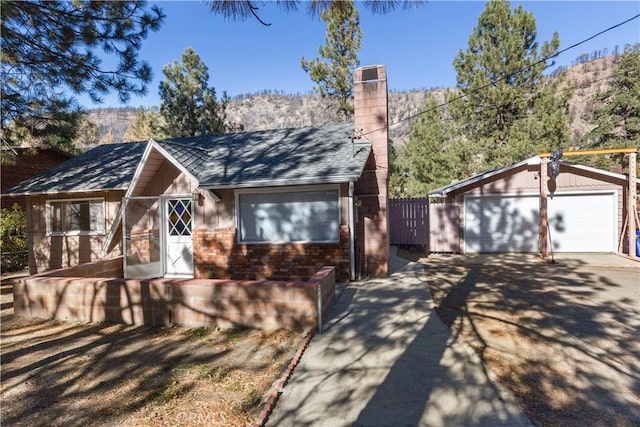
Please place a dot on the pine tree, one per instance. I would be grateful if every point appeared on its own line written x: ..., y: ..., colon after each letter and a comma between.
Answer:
x: 616, y: 119
x: 189, y: 106
x: 148, y: 123
x: 243, y: 9
x: 333, y: 69
x: 435, y: 153
x: 509, y: 109
x: 87, y: 135
x: 49, y: 49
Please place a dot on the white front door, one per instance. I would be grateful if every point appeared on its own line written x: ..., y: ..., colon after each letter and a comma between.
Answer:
x: 179, y: 242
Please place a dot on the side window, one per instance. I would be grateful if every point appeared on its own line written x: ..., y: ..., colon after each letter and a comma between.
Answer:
x: 84, y: 216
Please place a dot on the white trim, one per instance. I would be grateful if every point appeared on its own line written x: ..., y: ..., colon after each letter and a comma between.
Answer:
x: 352, y: 233
x: 113, y: 229
x: 143, y: 161
x: 174, y: 162
x: 443, y: 191
x: 164, y: 233
x: 49, y: 225
x: 288, y: 189
x: 597, y: 171
x: 285, y: 182
x: 151, y: 144
x: 124, y: 238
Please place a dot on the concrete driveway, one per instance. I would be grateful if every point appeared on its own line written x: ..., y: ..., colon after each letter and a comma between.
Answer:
x: 563, y: 337
x: 386, y: 359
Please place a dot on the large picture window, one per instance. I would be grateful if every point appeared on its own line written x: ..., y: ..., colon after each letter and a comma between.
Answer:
x: 75, y: 216
x: 300, y: 216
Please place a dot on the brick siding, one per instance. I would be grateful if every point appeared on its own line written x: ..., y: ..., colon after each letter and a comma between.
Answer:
x: 200, y: 302
x: 218, y: 255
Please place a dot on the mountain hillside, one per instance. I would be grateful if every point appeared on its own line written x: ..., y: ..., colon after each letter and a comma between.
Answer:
x: 271, y: 110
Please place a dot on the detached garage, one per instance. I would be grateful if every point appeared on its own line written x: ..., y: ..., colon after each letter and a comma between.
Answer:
x: 499, y: 210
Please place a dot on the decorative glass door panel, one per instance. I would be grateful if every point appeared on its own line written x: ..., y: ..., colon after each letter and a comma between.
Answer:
x: 179, y: 243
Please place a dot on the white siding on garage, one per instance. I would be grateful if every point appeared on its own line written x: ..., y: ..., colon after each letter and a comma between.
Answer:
x: 579, y: 222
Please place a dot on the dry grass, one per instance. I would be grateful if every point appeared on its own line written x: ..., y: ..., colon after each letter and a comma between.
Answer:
x: 64, y: 374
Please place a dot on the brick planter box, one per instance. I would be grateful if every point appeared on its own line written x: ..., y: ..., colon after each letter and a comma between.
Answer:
x: 65, y: 295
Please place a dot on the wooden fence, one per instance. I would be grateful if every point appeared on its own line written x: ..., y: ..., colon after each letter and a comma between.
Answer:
x: 409, y: 222
x: 418, y: 222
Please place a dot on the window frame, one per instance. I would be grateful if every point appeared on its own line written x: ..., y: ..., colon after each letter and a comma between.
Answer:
x: 49, y: 217
x: 288, y: 189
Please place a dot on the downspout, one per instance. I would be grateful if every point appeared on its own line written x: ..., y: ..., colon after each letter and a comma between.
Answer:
x: 352, y: 236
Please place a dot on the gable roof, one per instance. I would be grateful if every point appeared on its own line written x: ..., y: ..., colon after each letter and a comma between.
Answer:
x: 442, y: 192
x: 275, y: 157
x: 310, y: 155
x: 105, y: 167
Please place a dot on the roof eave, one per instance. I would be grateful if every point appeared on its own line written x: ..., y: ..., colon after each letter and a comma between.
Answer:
x: 444, y: 191
x: 47, y: 193
x: 337, y: 179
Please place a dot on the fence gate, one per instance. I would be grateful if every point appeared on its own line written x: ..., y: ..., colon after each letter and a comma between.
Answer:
x: 409, y: 222
x: 436, y: 226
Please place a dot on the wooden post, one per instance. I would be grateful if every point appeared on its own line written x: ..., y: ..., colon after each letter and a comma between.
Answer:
x: 631, y: 206
x: 544, y: 224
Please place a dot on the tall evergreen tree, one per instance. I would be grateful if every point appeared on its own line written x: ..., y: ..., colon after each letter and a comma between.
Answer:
x: 509, y: 109
x: 189, y: 106
x: 147, y: 124
x: 333, y: 69
x: 616, y: 119
x: 49, y: 48
x: 435, y: 153
x: 87, y: 135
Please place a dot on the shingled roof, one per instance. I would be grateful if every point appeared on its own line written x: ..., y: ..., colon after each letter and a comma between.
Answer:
x: 250, y: 159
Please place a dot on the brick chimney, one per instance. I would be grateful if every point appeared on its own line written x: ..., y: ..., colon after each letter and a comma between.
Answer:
x: 371, y: 121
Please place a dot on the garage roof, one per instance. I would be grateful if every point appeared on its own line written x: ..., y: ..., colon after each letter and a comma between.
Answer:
x: 444, y: 191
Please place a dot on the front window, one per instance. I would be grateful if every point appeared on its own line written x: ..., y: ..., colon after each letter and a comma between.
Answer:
x: 291, y: 216
x: 75, y: 216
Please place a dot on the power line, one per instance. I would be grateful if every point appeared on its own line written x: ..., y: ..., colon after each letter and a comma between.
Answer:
x: 493, y: 82
x: 557, y: 92
x: 528, y: 115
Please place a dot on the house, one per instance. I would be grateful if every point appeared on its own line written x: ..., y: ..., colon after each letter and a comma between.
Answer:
x: 25, y: 164
x: 276, y: 204
x: 500, y: 210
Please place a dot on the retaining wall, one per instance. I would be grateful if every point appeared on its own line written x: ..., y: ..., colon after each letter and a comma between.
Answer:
x: 263, y: 304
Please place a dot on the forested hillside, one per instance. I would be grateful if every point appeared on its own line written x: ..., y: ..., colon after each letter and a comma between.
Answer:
x: 265, y: 110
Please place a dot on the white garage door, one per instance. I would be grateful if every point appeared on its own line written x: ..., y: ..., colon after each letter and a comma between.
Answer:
x: 578, y: 223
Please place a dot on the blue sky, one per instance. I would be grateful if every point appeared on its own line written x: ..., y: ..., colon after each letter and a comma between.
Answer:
x: 417, y: 46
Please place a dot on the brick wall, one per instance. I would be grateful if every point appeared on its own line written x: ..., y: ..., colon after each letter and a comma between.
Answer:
x: 27, y: 165
x: 200, y: 302
x: 218, y: 255
x: 371, y: 190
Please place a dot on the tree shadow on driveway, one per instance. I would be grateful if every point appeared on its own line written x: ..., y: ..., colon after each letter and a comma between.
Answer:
x: 563, y: 337
x: 385, y: 358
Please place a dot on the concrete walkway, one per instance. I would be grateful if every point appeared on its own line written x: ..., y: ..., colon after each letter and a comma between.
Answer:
x: 386, y: 359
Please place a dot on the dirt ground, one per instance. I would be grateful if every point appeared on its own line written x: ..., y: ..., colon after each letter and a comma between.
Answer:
x: 69, y: 374
x: 564, y: 339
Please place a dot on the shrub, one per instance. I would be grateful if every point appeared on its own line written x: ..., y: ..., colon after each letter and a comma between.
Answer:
x: 13, y: 239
